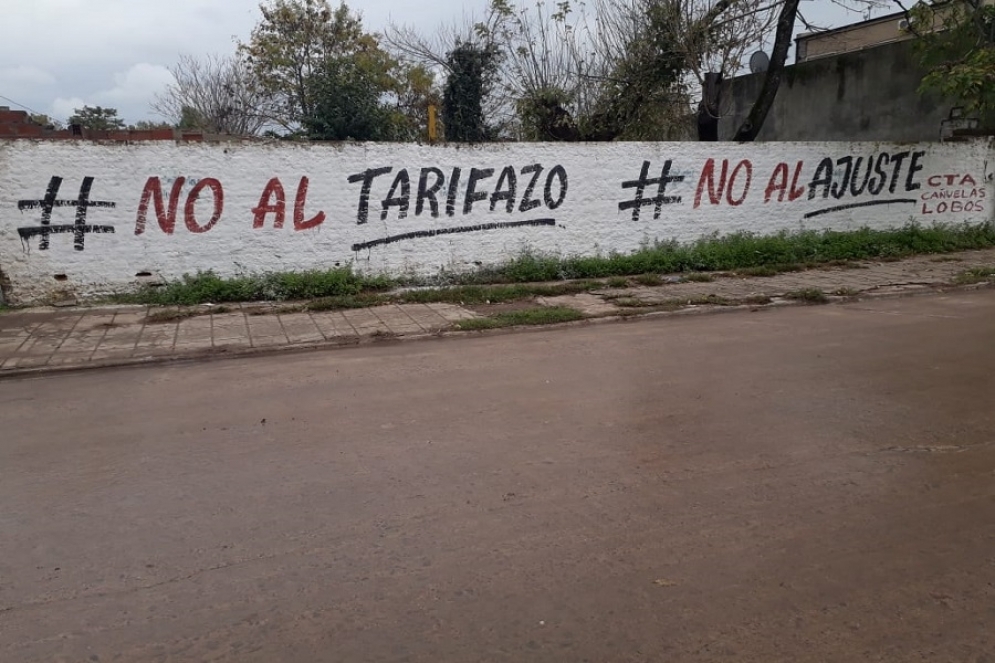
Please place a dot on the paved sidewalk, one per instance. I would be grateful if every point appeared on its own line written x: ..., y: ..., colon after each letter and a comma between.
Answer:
x: 35, y: 338
x: 55, y: 338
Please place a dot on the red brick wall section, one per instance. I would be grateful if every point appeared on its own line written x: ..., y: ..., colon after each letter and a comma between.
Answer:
x: 17, y: 124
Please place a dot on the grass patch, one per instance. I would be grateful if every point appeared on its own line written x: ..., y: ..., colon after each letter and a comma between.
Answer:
x: 975, y: 275
x: 741, y: 251
x: 209, y: 287
x: 648, y: 279
x: 698, y: 277
x: 359, y: 300
x: 174, y: 315
x: 772, y: 270
x: 492, y: 294
x: 756, y: 300
x: 631, y: 302
x: 535, y: 275
x: 170, y: 315
x: 534, y: 316
x: 711, y: 300
x: 808, y: 295
x: 286, y: 309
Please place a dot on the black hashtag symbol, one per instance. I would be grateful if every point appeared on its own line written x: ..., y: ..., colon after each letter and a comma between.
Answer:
x: 79, y: 229
x: 660, y: 199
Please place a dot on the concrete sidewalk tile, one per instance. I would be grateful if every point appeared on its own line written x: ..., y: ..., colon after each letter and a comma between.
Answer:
x: 397, y: 324
x: 9, y: 346
x: 197, y: 321
x: 396, y: 319
x: 200, y: 340
x: 19, y: 330
x: 156, y: 338
x: 364, y: 321
x: 193, y: 331
x: 242, y: 342
x: 148, y: 332
x: 265, y: 326
x: 232, y: 317
x: 185, y: 348
x: 90, y: 336
x: 72, y: 346
x: 268, y: 341
x: 26, y: 361
x: 69, y: 358
x: 146, y: 353
x: 427, y: 318
x: 451, y: 312
x: 59, y: 325
x: 190, y: 335
x: 55, y: 337
x: 118, y: 343
x: 123, y: 335
x: 94, y: 322
x: 300, y: 328
x: 195, y: 325
x: 39, y: 346
x: 230, y: 329
x: 110, y: 355
x: 142, y: 348
x: 230, y: 334
x: 127, y: 318
x: 333, y: 324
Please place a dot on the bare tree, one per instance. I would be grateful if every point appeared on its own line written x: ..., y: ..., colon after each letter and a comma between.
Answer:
x: 217, y: 95
x: 432, y: 52
x: 627, y: 68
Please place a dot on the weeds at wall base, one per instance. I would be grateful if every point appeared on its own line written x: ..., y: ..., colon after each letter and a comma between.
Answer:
x: 976, y: 275
x: 534, y: 316
x: 533, y: 274
x: 808, y: 295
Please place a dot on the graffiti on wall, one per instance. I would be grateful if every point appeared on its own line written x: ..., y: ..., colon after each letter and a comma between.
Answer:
x: 880, y: 179
x: 79, y: 228
x: 169, y: 210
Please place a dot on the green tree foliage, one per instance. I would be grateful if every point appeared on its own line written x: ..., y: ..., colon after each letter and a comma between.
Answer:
x: 46, y: 121
x: 294, y: 42
x: 346, y: 104
x: 956, y: 45
x: 146, y: 125
x: 415, y: 92
x: 326, y: 78
x: 190, y: 119
x: 97, y: 118
x: 472, y: 70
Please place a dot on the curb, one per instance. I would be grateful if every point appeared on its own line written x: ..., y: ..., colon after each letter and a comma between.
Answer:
x: 214, y: 354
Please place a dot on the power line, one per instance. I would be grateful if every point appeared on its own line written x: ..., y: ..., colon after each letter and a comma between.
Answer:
x: 21, y: 105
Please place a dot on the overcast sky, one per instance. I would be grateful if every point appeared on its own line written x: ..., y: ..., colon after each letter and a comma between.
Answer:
x: 57, y: 55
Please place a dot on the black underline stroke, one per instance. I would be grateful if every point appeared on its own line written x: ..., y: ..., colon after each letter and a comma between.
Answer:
x: 869, y: 203
x: 29, y: 232
x: 32, y: 204
x: 451, y: 231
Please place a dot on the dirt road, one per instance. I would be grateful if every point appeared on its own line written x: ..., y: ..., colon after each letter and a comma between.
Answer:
x: 806, y: 484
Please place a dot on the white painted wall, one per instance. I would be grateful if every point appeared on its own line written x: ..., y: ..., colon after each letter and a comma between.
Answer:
x: 950, y: 183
